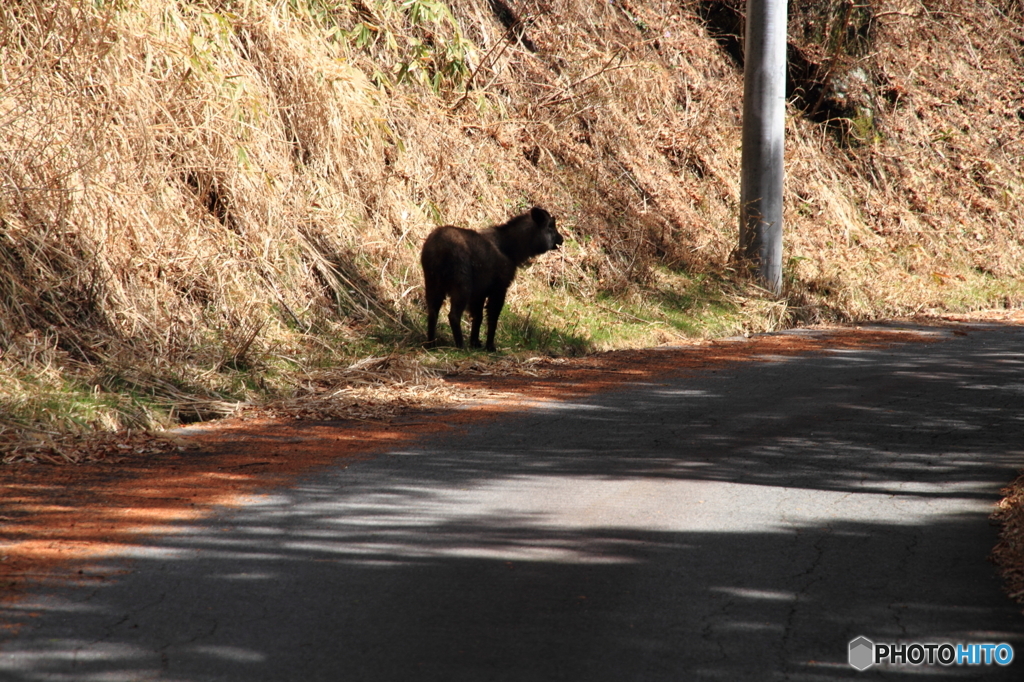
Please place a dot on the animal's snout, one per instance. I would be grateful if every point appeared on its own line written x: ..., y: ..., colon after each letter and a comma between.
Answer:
x: 553, y: 239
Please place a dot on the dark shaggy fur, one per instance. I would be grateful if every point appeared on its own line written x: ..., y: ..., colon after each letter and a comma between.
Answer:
x: 476, y: 267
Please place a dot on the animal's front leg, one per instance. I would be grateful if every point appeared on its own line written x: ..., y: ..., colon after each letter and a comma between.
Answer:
x: 494, y: 306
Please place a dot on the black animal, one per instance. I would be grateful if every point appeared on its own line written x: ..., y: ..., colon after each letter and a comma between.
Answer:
x: 473, y: 267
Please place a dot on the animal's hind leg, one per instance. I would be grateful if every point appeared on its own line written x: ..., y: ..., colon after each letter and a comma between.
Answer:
x: 476, y: 316
x: 458, y: 303
x: 435, y: 297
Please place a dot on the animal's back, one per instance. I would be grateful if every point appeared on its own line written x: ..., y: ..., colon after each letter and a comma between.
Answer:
x: 445, y: 252
x: 459, y: 257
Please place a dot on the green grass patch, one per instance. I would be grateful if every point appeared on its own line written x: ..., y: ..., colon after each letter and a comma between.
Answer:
x: 555, y: 322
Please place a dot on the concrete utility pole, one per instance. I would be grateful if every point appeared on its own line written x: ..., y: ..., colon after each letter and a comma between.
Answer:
x: 764, y: 119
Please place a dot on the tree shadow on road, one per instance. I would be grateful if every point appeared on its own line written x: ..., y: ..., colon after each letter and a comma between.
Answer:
x: 742, y: 524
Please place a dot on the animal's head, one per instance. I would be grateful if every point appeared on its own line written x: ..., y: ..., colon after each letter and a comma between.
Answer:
x: 545, y: 234
x: 526, y: 235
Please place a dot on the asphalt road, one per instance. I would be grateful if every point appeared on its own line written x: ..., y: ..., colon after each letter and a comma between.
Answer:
x: 739, y: 524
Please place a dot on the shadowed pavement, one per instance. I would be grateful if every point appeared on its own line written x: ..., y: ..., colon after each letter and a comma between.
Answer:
x: 744, y: 523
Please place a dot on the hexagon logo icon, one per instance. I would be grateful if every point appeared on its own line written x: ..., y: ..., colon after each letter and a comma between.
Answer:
x: 862, y: 653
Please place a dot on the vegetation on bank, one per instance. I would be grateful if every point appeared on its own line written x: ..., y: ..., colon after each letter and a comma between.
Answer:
x: 208, y: 203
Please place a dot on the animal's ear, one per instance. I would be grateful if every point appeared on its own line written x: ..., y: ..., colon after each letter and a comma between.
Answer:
x: 541, y: 218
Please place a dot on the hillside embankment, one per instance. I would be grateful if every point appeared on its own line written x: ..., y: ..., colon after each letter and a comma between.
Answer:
x: 211, y: 207
x: 205, y: 205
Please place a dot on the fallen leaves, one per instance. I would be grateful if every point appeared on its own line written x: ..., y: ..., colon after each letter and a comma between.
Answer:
x: 1008, y: 554
x: 92, y: 447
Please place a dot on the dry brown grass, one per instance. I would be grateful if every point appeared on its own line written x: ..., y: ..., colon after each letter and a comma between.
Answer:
x: 205, y: 203
x: 933, y: 200
x: 1008, y: 554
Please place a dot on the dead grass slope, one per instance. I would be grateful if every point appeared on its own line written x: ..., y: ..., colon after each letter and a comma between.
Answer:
x: 202, y: 202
